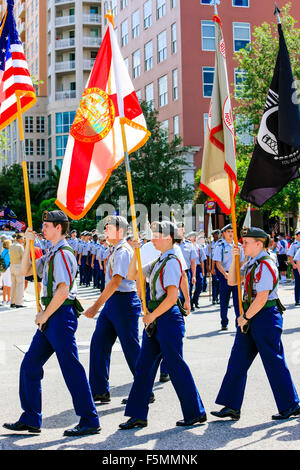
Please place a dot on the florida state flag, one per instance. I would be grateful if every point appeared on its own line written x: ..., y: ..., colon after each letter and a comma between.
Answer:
x: 219, y: 155
x: 95, y: 146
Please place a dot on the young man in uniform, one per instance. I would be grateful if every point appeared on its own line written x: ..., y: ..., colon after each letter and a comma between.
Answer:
x: 291, y: 253
x: 56, y: 333
x: 223, y: 258
x: 120, y: 315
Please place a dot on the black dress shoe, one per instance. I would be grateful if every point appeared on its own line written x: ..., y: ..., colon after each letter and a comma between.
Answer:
x: 197, y: 305
x: 190, y: 422
x: 12, y: 305
x: 164, y: 377
x: 21, y: 427
x: 134, y: 423
x: 288, y: 413
x: 224, y: 328
x: 192, y: 308
x: 81, y: 431
x: 151, y: 400
x: 227, y: 413
x: 102, y: 398
x: 19, y: 306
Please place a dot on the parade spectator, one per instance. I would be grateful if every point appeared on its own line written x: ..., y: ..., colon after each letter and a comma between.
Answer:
x: 6, y: 277
x: 17, y: 280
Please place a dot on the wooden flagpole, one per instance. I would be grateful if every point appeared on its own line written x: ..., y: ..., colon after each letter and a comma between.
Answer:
x: 27, y: 201
x: 235, y: 238
x: 133, y: 214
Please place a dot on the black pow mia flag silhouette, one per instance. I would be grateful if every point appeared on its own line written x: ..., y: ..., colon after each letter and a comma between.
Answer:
x: 276, y: 156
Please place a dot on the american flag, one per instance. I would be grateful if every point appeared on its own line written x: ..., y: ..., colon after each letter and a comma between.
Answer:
x: 15, y: 79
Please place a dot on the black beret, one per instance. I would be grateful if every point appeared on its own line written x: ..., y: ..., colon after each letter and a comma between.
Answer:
x: 165, y: 227
x: 253, y: 232
x: 227, y: 227
x: 116, y: 220
x: 54, y: 216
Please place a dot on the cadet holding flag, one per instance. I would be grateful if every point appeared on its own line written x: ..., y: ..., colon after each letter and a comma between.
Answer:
x: 259, y: 332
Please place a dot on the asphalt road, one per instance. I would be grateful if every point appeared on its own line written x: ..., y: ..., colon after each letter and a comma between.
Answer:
x: 206, y: 350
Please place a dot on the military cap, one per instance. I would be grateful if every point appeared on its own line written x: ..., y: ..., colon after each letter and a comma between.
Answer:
x: 297, y: 232
x: 227, y: 227
x: 165, y: 227
x: 73, y: 231
x: 253, y: 232
x: 102, y: 236
x: 116, y: 220
x: 191, y: 234
x: 215, y: 231
x: 54, y: 216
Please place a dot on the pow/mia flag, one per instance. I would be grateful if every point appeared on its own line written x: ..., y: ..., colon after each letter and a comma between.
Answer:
x: 276, y: 157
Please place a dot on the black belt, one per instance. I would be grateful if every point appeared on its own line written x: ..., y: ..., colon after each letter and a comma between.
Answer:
x: 122, y: 293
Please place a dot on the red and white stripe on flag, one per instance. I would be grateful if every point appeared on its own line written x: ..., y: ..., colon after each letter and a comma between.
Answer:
x: 95, y: 145
x: 15, y: 78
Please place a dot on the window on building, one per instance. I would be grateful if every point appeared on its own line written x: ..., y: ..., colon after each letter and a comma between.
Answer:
x: 135, y: 24
x: 94, y: 10
x: 40, y: 169
x: 40, y: 147
x: 239, y: 78
x: 241, y: 35
x: 59, y: 162
x: 139, y: 95
x: 161, y: 8
x: 163, y: 91
x: 123, y: 4
x: 124, y: 33
x: 208, y: 35
x: 173, y: 38
x: 114, y: 7
x: 205, y: 2
x: 15, y: 153
x: 148, y: 55
x: 162, y: 46
x: 136, y: 64
x: 208, y: 80
x: 147, y: 14
x: 173, y: 3
x: 49, y: 148
x: 244, y: 130
x: 28, y: 123
x: 175, y: 84
x: 149, y: 94
x: 126, y: 62
x: 61, y: 144
x: 30, y: 169
x: 205, y: 120
x: 64, y: 121
x: 40, y: 124
x: 240, y: 3
x: 164, y: 125
x: 49, y: 125
x: 29, y: 146
x: 176, y: 125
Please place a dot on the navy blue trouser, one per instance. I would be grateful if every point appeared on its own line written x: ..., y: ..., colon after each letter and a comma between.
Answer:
x: 166, y: 343
x: 198, y: 285
x: 215, y: 287
x: 264, y: 338
x: 102, y: 279
x: 59, y: 337
x: 96, y: 274
x: 83, y: 270
x: 119, y: 318
x: 297, y: 285
x: 225, y: 291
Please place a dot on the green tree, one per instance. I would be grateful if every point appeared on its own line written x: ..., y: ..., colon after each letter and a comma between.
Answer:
x: 156, y: 170
x: 257, y: 62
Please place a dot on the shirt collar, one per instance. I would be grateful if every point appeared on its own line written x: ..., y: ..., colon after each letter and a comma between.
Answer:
x: 166, y: 253
x: 55, y: 248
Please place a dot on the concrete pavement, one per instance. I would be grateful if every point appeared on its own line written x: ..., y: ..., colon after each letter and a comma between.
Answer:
x: 206, y: 350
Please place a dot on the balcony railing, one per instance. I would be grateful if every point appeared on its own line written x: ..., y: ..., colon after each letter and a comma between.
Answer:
x: 65, y: 66
x: 94, y: 19
x: 91, y: 41
x: 64, y: 20
x: 88, y: 64
x: 64, y: 43
x: 65, y: 95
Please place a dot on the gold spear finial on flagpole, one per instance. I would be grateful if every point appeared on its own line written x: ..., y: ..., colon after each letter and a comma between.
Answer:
x: 215, y: 4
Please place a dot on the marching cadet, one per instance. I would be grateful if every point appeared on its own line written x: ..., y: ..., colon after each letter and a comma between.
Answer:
x: 120, y: 315
x: 223, y: 258
x: 297, y: 260
x: 73, y: 242
x: 200, y: 274
x: 163, y: 337
x: 212, y: 264
x: 83, y: 251
x: 190, y: 257
x: 56, y: 333
x: 259, y: 332
x: 95, y: 267
x: 291, y: 254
